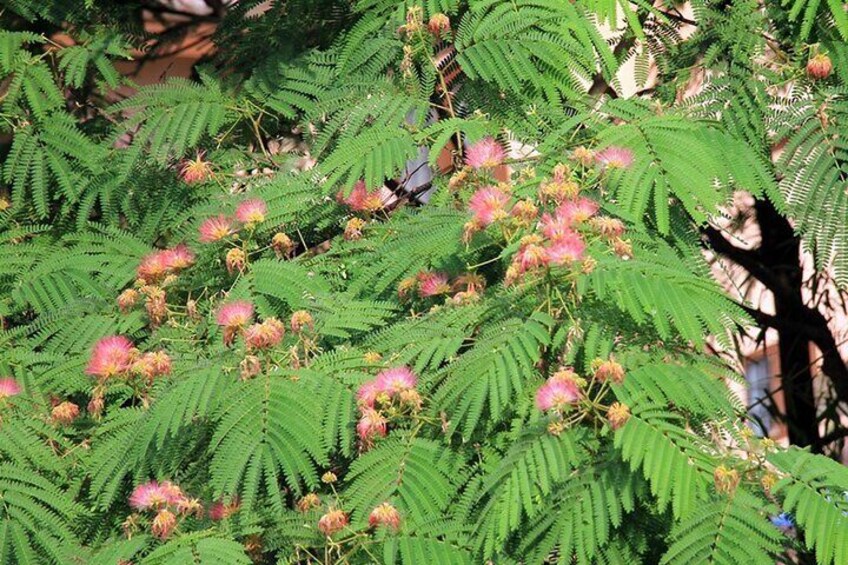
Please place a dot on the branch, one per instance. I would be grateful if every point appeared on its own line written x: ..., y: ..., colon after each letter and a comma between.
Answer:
x: 749, y: 260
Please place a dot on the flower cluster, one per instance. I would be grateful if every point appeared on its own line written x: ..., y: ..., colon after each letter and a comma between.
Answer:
x: 197, y: 170
x: 561, y: 390
x: 159, y: 264
x: 168, y: 502
x: 361, y: 199
x: 465, y: 288
x: 485, y: 154
x: 390, y: 392
x: 249, y: 213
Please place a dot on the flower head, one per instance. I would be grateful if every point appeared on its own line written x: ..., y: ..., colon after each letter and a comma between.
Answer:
x: 438, y: 24
x: 265, y: 335
x: 525, y: 211
x: 353, y: 229
x: 154, y: 495
x: 607, y: 227
x: 819, y: 67
x: 282, y: 245
x: 252, y: 211
x: 372, y: 424
x: 577, y: 211
x: 222, y: 510
x: 308, y: 502
x: 152, y: 364
x: 394, y: 380
x: 618, y: 414
x: 178, y: 258
x: 432, y: 284
x: 9, y: 387
x: 64, y: 413
x: 556, y: 228
x: 566, y: 250
x: 726, y: 479
x: 127, y: 299
x: 216, y: 228
x: 385, y: 515
x: 485, y: 154
x: 609, y: 370
x: 531, y: 256
x: 361, y: 200
x: 488, y: 205
x: 111, y: 356
x: 614, y: 157
x: 368, y: 393
x: 197, y: 170
x: 301, y: 319
x: 556, y: 394
x: 153, y: 266
x: 235, y: 260
x: 163, y: 524
x: 332, y: 522
x: 235, y: 314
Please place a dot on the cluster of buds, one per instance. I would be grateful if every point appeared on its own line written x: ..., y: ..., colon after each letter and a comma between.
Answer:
x: 819, y: 67
x: 618, y: 414
x: 353, y: 229
x: 282, y: 245
x: 64, y: 413
x: 167, y: 501
x: 249, y: 213
x: 308, y: 502
x: 334, y: 521
x: 608, y: 370
x: 197, y: 170
x: 391, y: 392
x: 385, y: 515
x: 361, y: 199
x: 464, y: 288
x: 155, y: 304
x: 264, y: 335
x: 414, y: 22
x: 234, y: 318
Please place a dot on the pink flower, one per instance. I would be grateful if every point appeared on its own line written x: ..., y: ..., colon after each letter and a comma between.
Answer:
x: 163, y: 524
x: 488, y: 205
x: 566, y: 250
x: 531, y: 256
x: 485, y: 154
x: 153, y: 364
x: 557, y: 394
x: 432, y: 284
x: 111, y: 356
x: 385, y: 515
x: 9, y: 387
x: 395, y: 380
x: 153, y: 495
x: 265, y: 335
x: 360, y: 200
x: 556, y: 227
x: 252, y: 211
x: 333, y: 521
x: 577, y: 211
x: 368, y: 393
x: 372, y: 424
x: 179, y: 257
x: 153, y: 266
x: 614, y: 157
x: 235, y: 314
x: 221, y: 510
x: 216, y: 228
x: 195, y: 171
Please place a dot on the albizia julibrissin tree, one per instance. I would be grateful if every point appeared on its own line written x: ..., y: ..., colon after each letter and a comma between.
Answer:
x: 208, y: 358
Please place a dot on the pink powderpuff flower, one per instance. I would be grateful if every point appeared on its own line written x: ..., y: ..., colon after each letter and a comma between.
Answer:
x: 195, y: 171
x: 367, y: 394
x: 530, y: 257
x: 153, y: 266
x: 221, y: 510
x: 216, y: 228
x: 555, y: 228
x: 9, y: 387
x: 178, y: 258
x: 614, y: 157
x: 395, y: 380
x: 111, y: 356
x: 485, y: 154
x: 488, y: 205
x: 163, y: 524
x: 360, y: 200
x: 252, y: 211
x: 566, y: 250
x: 557, y: 394
x: 385, y: 515
x: 432, y: 284
x: 372, y: 424
x: 235, y: 314
x: 577, y: 211
x: 153, y: 364
x: 333, y: 521
x: 265, y: 335
x: 151, y: 495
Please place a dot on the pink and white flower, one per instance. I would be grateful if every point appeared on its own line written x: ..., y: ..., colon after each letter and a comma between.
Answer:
x: 556, y: 394
x: 555, y: 228
x: 154, y: 495
x: 485, y: 154
x: 216, y: 228
x: 614, y: 157
x: 577, y: 211
x: 265, y: 335
x: 252, y: 211
x: 488, y: 205
x: 361, y: 200
x: 9, y: 387
x: 432, y: 284
x: 395, y: 380
x: 566, y: 250
x: 111, y: 356
x: 179, y: 257
x: 368, y: 393
x: 372, y: 424
x: 235, y: 314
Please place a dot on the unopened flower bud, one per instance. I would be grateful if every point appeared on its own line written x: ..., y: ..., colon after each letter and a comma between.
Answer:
x: 385, y: 515
x: 439, y: 23
x: 64, y: 413
x: 301, y: 319
x: 127, y: 299
x: 282, y: 245
x: 249, y: 367
x: 329, y: 478
x: 583, y: 156
x: 332, y: 522
x: 819, y: 67
x: 609, y: 370
x: 308, y: 502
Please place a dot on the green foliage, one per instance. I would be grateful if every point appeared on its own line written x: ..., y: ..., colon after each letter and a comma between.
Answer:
x: 543, y: 392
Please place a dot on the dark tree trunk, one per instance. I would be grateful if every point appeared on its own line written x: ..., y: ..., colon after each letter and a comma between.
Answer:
x: 780, y: 251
